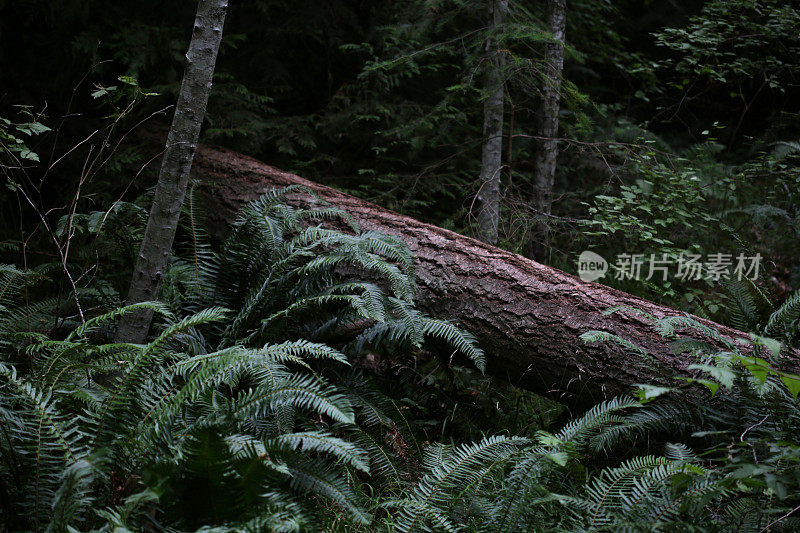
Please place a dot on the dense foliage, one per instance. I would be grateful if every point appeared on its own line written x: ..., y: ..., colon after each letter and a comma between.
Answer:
x: 289, y: 382
x: 234, y: 418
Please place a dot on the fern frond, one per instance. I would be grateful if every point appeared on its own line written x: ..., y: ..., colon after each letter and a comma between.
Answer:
x: 783, y: 319
x: 604, y: 336
x: 460, y: 339
x: 300, y: 391
x: 321, y: 442
x: 95, y: 322
x: 313, y: 476
x: 449, y: 479
x: 578, y: 431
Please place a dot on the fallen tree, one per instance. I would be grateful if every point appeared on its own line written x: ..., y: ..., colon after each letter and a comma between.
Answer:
x: 527, y: 316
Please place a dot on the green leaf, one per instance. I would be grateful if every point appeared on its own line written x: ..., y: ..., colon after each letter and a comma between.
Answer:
x: 757, y: 367
x: 646, y: 392
x: 547, y: 439
x: 792, y: 383
x: 102, y: 91
x: 713, y: 386
x: 25, y: 153
x: 560, y: 458
x: 772, y: 345
x: 723, y: 375
x: 32, y: 128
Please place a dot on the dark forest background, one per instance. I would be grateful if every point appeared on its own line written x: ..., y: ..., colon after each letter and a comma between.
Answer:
x: 289, y: 382
x: 384, y: 99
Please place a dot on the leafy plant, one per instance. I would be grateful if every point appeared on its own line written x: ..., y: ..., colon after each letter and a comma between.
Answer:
x: 249, y: 433
x: 743, y: 478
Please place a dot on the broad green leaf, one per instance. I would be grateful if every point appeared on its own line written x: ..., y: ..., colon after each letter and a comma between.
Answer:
x: 792, y: 383
x: 770, y: 344
x: 723, y: 375
x: 560, y: 458
x: 646, y: 392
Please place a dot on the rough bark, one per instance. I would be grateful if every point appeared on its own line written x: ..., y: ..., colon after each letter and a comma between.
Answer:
x: 545, y: 165
x: 527, y: 316
x: 491, y: 157
x: 175, y: 167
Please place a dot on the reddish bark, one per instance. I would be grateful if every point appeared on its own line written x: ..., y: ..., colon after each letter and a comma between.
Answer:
x: 527, y: 316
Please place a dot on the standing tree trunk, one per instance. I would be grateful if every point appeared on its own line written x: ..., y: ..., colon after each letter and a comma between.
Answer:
x: 545, y: 166
x: 491, y: 160
x: 174, y: 174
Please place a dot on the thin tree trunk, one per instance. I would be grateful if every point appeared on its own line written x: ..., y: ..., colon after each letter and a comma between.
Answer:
x: 527, y: 317
x: 175, y: 167
x: 545, y: 165
x: 491, y: 159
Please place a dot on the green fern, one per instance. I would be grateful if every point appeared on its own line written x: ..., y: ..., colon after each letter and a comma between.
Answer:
x: 254, y: 417
x: 784, y: 320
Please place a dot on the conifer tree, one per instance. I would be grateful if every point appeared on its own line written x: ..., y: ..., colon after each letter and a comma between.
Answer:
x: 547, y: 131
x: 491, y: 160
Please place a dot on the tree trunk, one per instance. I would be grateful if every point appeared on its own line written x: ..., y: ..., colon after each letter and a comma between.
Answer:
x: 526, y: 316
x: 175, y: 167
x: 545, y: 165
x: 491, y: 158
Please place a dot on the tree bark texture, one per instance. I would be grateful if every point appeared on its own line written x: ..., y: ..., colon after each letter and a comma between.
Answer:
x: 547, y: 153
x: 175, y: 167
x: 526, y: 316
x: 491, y: 157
